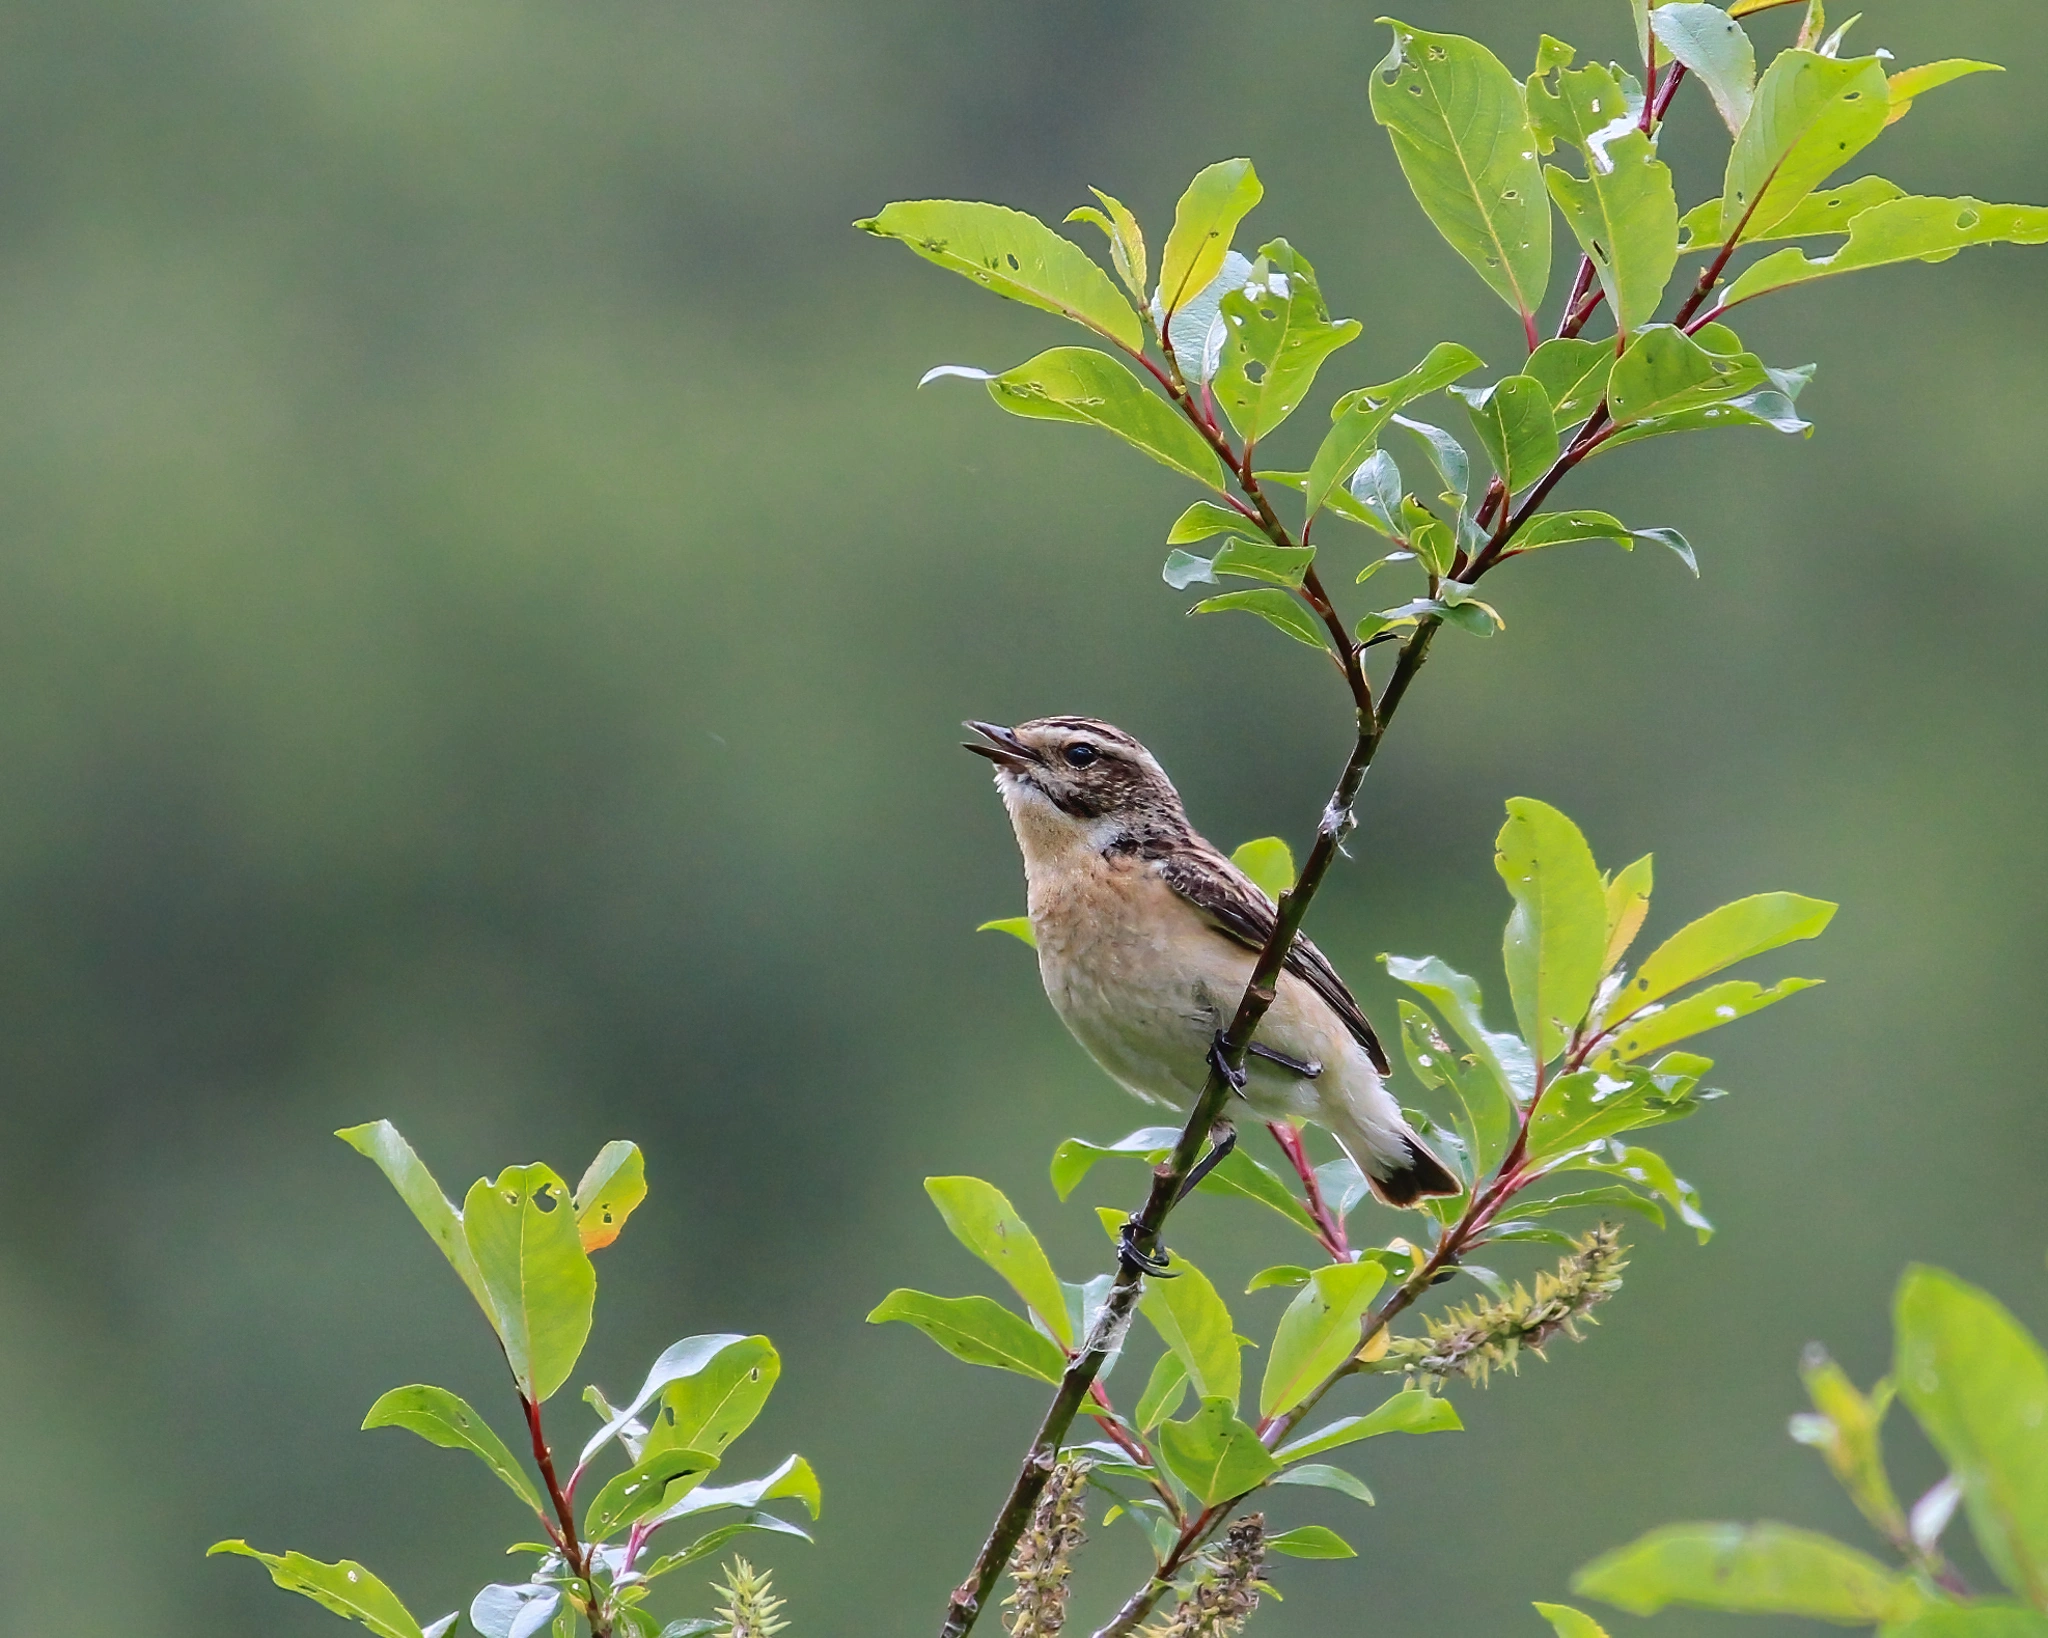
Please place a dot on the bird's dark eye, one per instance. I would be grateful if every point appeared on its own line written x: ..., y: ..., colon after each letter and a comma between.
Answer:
x: 1079, y: 756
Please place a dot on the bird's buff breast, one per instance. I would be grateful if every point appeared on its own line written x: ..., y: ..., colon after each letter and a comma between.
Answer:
x: 1133, y: 971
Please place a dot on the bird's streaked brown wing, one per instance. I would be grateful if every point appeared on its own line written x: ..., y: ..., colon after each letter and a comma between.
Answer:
x: 1243, y: 914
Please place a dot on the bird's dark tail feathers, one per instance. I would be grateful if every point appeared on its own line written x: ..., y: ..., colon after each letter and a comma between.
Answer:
x: 1416, y: 1174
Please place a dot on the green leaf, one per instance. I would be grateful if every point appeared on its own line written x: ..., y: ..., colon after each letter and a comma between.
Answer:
x: 1980, y: 1620
x: 983, y: 1220
x: 1324, y: 1477
x: 706, y: 1545
x: 1018, y: 927
x: 1628, y: 903
x: 1567, y: 1622
x: 1505, y: 1056
x: 1318, y: 1333
x: 1204, y: 519
x: 1126, y: 240
x: 1811, y: 116
x: 1616, y: 1195
x: 1461, y: 133
x: 1573, y: 374
x: 1357, y: 417
x: 1758, y: 1569
x: 1624, y: 212
x: 1275, y: 607
x: 380, y: 1141
x: 1412, y: 1410
x: 1829, y: 210
x: 1735, y: 932
x: 1278, y: 332
x: 677, y: 1361
x: 1310, y: 1541
x: 1486, y: 1109
x: 1164, y: 1391
x: 1558, y: 932
x: 1285, y: 1276
x: 709, y: 1409
x: 1237, y: 1174
x: 1978, y: 1383
x: 1653, y: 1172
x: 1514, y: 423
x: 1192, y: 1320
x: 1767, y: 408
x: 1712, y: 1007
x: 646, y: 1487
x: 522, y: 1232
x: 444, y: 1419
x: 1014, y: 255
x: 345, y: 1588
x: 1203, y: 223
x: 1269, y: 862
x: 1254, y: 559
x: 1665, y: 372
x: 1564, y: 528
x: 614, y: 1184
x: 1590, y: 1104
x: 979, y: 1330
x: 1714, y: 47
x: 1844, y: 1427
x: 1214, y: 1454
x: 1909, y: 83
x: 1900, y: 230
x: 793, y: 1477
x: 1089, y: 388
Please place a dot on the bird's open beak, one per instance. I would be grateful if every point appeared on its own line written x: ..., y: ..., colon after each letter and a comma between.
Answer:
x: 1004, y: 749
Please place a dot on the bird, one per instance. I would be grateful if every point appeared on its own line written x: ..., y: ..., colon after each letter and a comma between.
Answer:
x: 1147, y: 936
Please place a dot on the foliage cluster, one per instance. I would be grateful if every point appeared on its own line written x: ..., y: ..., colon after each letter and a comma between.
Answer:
x: 522, y: 1243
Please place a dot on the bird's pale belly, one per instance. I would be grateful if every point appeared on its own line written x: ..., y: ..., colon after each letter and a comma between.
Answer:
x: 1147, y: 1004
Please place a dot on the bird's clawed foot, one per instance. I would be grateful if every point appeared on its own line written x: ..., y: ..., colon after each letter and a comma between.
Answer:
x: 1222, y: 1139
x: 1136, y: 1258
x: 1307, y: 1068
x: 1219, y: 1060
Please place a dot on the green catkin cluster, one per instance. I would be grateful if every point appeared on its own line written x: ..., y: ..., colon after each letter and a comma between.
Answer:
x: 1227, y: 1589
x: 1037, y: 1607
x: 1476, y: 1341
x: 750, y: 1603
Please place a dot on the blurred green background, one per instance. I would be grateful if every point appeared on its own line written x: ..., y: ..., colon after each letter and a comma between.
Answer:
x: 483, y: 615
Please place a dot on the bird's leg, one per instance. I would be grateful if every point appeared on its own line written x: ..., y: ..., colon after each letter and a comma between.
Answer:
x: 1134, y: 1256
x: 1308, y: 1069
x: 1222, y: 1139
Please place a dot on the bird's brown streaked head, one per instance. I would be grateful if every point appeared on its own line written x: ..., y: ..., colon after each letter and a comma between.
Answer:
x: 1085, y: 769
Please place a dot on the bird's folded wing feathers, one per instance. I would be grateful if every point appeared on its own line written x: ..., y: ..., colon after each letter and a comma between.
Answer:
x: 1242, y: 913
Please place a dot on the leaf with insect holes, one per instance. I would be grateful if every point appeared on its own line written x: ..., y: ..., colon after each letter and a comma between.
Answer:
x: 1088, y: 388
x: 1717, y: 49
x: 1014, y: 255
x: 708, y: 1410
x: 614, y: 1183
x: 346, y: 1588
x: 1898, y: 230
x: 445, y: 1419
x: 1461, y: 133
x: 1357, y: 418
x: 1811, y: 116
x: 1623, y: 212
x: 1278, y: 333
x: 521, y: 1228
x: 1515, y: 426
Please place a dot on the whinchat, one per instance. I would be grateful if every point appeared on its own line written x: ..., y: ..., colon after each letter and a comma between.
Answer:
x: 1147, y: 936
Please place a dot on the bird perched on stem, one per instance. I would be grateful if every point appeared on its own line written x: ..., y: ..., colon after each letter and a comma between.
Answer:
x: 1147, y: 936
